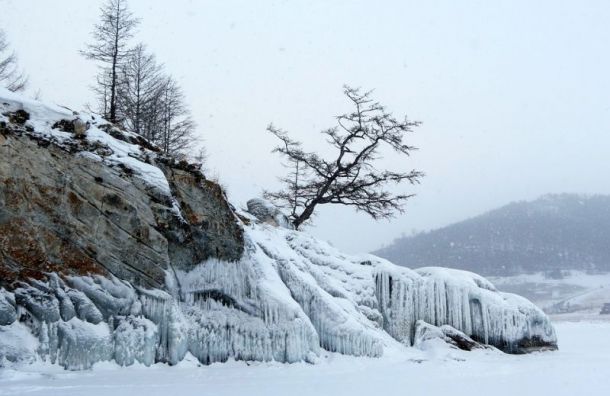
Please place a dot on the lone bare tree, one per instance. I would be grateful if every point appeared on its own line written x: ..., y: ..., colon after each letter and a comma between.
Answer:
x: 110, y: 48
x: 350, y: 177
x: 10, y: 76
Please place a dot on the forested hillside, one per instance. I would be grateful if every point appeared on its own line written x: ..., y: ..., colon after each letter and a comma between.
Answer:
x: 552, y: 233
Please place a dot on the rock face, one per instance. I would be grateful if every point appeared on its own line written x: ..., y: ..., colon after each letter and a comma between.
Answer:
x: 267, y: 213
x: 109, y: 251
x: 69, y: 206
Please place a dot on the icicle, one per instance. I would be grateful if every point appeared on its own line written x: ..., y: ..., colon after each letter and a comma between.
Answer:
x: 462, y: 300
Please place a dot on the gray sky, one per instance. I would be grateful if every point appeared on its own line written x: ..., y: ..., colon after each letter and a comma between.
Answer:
x: 514, y: 95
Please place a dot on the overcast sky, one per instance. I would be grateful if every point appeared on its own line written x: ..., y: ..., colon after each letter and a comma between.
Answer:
x: 514, y: 96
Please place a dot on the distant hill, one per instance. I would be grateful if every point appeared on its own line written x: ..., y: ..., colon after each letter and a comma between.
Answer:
x: 552, y: 233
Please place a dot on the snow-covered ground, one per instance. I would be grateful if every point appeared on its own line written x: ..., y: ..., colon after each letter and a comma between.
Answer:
x: 580, y: 367
x: 577, y: 295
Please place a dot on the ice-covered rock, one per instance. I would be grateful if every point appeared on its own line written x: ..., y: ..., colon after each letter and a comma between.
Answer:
x: 8, y: 312
x: 83, y: 307
x: 164, y: 311
x: 81, y: 344
x: 135, y: 339
x: 108, y: 296
x: 425, y: 333
x: 41, y: 304
x: 268, y: 213
x: 463, y: 300
x: 244, y: 311
x: 66, y: 307
x: 288, y: 296
x: 111, y: 251
x: 17, y: 344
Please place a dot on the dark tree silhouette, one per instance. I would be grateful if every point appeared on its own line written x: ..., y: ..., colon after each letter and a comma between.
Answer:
x: 133, y: 89
x: 140, y: 86
x: 349, y: 178
x: 110, y: 48
x: 10, y: 76
x: 175, y: 125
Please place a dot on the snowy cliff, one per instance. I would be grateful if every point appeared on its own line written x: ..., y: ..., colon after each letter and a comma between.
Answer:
x: 110, y: 251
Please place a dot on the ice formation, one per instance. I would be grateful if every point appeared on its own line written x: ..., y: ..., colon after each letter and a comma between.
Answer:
x: 287, y: 298
x: 426, y: 334
x: 463, y: 300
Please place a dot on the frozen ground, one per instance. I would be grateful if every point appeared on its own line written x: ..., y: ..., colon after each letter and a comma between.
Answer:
x: 581, y: 366
x: 575, y: 293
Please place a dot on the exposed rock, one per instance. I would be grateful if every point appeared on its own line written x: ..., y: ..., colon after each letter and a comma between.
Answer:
x: 209, y: 228
x: 426, y: 332
x: 268, y: 213
x: 76, y: 126
x: 75, y: 215
x: 19, y: 117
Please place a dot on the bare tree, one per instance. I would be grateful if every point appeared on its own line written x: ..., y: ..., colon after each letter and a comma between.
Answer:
x: 132, y: 87
x: 350, y: 177
x: 151, y: 104
x: 10, y: 76
x: 200, y: 156
x: 141, y: 82
x: 177, y: 128
x: 110, y: 48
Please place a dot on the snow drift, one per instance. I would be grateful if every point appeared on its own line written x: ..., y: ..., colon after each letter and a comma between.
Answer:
x: 260, y: 291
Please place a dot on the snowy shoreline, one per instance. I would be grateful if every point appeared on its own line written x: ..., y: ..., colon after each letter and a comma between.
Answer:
x: 580, y: 366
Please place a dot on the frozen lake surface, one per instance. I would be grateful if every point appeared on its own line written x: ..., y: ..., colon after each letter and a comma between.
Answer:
x: 581, y: 366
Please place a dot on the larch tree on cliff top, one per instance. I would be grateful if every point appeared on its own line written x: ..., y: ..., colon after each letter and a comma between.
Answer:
x: 110, y: 47
x: 350, y: 177
x: 133, y: 89
x: 10, y: 75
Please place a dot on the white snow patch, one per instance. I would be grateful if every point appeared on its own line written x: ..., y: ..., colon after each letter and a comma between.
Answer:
x: 580, y: 367
x: 43, y: 116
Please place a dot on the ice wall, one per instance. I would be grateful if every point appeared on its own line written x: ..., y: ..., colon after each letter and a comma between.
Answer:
x: 288, y: 297
x: 243, y: 310
x: 462, y: 300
